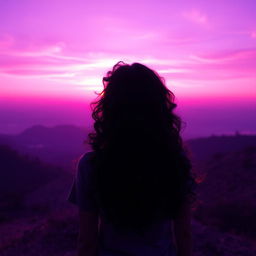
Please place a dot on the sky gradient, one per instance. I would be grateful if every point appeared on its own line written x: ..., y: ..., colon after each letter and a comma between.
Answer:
x: 53, y: 55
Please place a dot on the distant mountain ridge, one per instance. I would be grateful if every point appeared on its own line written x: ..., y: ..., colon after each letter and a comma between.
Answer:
x: 58, y: 145
x: 205, y: 148
x: 62, y: 144
x: 21, y: 175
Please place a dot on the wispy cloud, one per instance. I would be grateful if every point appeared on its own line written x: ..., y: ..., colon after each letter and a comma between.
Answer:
x: 247, y: 33
x: 55, y: 63
x: 227, y: 56
x: 196, y: 16
x: 86, y: 70
x: 225, y: 65
x: 253, y: 34
x: 6, y: 41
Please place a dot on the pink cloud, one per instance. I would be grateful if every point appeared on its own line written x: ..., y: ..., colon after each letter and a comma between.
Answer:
x: 6, y: 41
x: 51, y: 62
x: 55, y: 62
x: 87, y: 70
x: 196, y: 16
x: 226, y: 56
x: 219, y: 66
x: 253, y: 34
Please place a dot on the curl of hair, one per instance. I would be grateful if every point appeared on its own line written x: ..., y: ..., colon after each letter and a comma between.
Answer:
x: 143, y: 172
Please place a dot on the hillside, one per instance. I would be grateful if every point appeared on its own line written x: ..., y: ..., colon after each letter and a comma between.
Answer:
x: 204, y: 148
x: 38, y: 220
x: 64, y: 143
x: 227, y: 193
x: 58, y: 145
x: 20, y: 176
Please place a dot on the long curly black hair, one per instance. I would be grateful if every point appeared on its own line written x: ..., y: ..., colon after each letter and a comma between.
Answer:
x: 142, y: 169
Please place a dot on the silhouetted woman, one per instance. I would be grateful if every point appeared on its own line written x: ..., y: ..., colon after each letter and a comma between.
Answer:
x: 135, y: 188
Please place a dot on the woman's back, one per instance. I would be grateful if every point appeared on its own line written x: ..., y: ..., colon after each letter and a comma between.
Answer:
x: 158, y: 240
x: 155, y: 242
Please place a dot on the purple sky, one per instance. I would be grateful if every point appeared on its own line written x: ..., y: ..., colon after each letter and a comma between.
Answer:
x: 53, y: 55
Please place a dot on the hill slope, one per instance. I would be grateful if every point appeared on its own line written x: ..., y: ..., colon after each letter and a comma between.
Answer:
x: 227, y: 193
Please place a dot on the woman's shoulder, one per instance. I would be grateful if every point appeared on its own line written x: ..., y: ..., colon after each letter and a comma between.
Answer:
x: 85, y: 158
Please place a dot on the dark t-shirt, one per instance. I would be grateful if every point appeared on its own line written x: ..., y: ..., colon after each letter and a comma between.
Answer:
x: 157, y: 242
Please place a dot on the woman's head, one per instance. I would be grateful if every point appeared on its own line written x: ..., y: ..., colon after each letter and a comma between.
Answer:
x: 142, y: 173
x: 134, y: 97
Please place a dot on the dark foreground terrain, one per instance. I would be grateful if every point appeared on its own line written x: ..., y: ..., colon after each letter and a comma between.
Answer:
x: 36, y: 219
